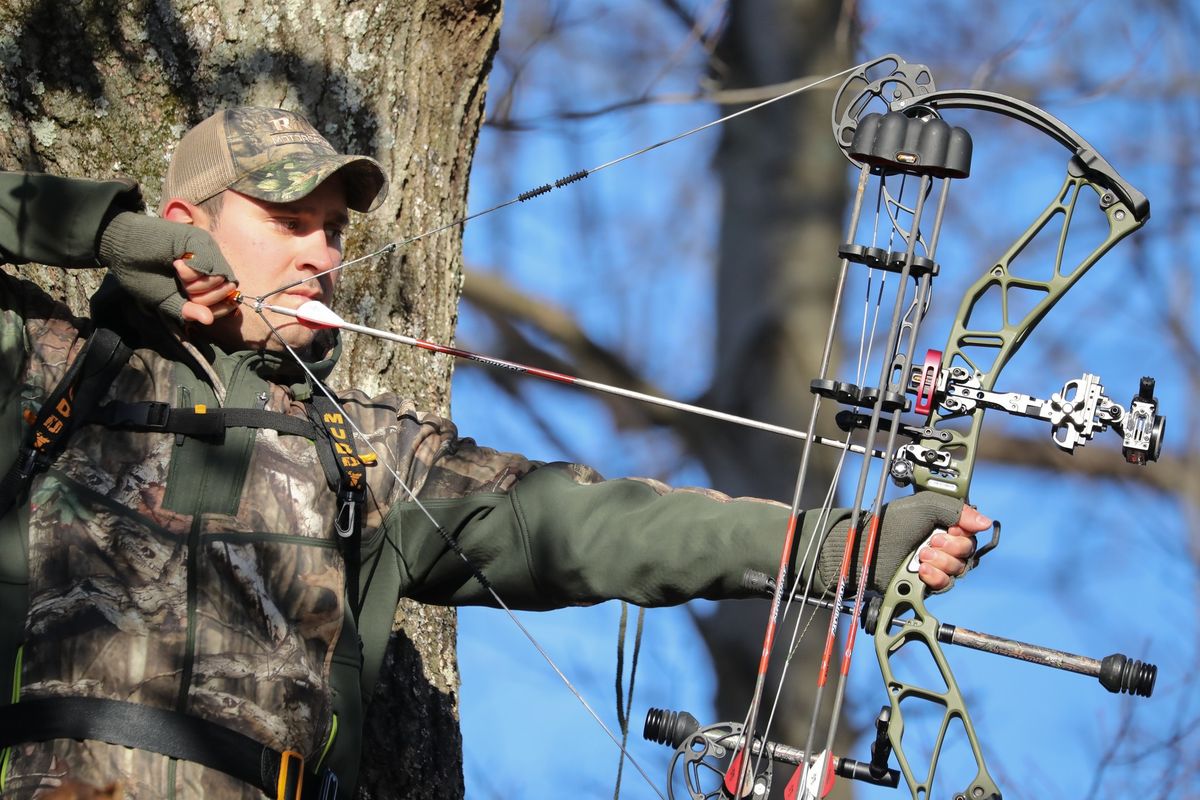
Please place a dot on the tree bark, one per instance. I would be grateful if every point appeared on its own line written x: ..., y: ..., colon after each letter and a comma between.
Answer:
x: 99, y: 88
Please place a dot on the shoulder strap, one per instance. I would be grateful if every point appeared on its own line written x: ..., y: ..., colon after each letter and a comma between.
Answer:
x: 350, y: 468
x: 81, y: 387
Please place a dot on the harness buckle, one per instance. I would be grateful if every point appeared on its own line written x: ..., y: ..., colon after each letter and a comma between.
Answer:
x: 350, y: 501
x: 291, y: 775
x: 156, y: 415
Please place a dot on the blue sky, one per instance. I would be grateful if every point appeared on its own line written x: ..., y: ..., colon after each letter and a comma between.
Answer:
x: 1091, y: 567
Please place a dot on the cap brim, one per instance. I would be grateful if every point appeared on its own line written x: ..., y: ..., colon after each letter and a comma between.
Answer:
x: 292, y: 178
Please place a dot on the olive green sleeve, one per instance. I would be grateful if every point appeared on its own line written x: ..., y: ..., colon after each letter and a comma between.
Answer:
x: 551, y: 542
x: 57, y: 221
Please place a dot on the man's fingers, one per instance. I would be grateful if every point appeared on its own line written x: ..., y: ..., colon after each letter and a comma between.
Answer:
x: 960, y: 545
x: 208, y: 292
x: 942, y: 560
x: 933, y: 577
x: 206, y: 296
x: 186, y: 274
x: 971, y: 521
x: 195, y: 312
x: 198, y: 281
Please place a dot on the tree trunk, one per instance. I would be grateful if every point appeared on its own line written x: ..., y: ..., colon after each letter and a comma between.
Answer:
x: 99, y: 88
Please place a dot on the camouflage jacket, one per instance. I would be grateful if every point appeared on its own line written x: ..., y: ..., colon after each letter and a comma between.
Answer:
x: 204, y: 577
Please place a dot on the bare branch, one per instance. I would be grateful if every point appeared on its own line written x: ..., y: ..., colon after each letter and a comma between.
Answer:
x: 729, y: 97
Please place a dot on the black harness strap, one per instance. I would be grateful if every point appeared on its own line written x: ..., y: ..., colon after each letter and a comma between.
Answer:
x: 199, y: 421
x: 350, y: 467
x: 169, y: 733
x: 81, y: 387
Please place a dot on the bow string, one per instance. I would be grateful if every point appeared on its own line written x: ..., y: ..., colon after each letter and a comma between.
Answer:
x: 322, y: 317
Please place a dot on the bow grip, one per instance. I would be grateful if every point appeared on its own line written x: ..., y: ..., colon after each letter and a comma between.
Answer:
x: 914, y: 561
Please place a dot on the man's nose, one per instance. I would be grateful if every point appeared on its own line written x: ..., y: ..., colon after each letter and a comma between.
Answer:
x: 320, y: 251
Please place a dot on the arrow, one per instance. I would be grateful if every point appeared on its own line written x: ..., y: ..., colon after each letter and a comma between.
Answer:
x: 318, y: 315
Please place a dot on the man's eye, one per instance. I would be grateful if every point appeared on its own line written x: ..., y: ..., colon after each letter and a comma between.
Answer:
x: 334, y: 232
x: 287, y: 224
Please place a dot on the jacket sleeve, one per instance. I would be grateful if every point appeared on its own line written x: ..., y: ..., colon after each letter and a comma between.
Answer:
x: 554, y: 535
x: 58, y: 221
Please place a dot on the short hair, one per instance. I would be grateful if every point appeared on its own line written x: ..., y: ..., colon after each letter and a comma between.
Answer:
x: 212, y: 207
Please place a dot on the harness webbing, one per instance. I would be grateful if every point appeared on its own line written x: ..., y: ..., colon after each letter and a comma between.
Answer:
x: 81, y: 387
x: 199, y: 422
x: 350, y: 466
x: 166, y: 732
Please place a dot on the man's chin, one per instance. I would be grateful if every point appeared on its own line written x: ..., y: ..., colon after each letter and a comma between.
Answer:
x: 278, y: 335
x: 310, y: 344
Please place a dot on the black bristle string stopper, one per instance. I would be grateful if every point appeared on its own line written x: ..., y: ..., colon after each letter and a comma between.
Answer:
x: 574, y: 176
x: 558, y: 184
x: 532, y: 193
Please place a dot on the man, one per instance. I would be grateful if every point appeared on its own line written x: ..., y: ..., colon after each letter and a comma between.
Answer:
x: 187, y: 618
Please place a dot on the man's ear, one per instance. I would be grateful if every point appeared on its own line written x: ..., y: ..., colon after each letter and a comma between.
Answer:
x: 177, y: 210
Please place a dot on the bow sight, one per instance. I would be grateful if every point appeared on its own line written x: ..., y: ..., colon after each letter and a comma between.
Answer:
x: 1076, y: 413
x: 888, y: 122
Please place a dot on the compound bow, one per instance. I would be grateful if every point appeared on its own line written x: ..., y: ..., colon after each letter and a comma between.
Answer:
x: 887, y: 120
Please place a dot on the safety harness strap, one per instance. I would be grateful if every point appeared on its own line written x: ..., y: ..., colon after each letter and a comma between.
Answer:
x: 350, y: 466
x: 169, y: 733
x: 81, y: 387
x: 199, y: 421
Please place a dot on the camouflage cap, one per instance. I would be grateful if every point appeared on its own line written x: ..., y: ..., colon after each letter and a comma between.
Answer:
x: 269, y: 154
